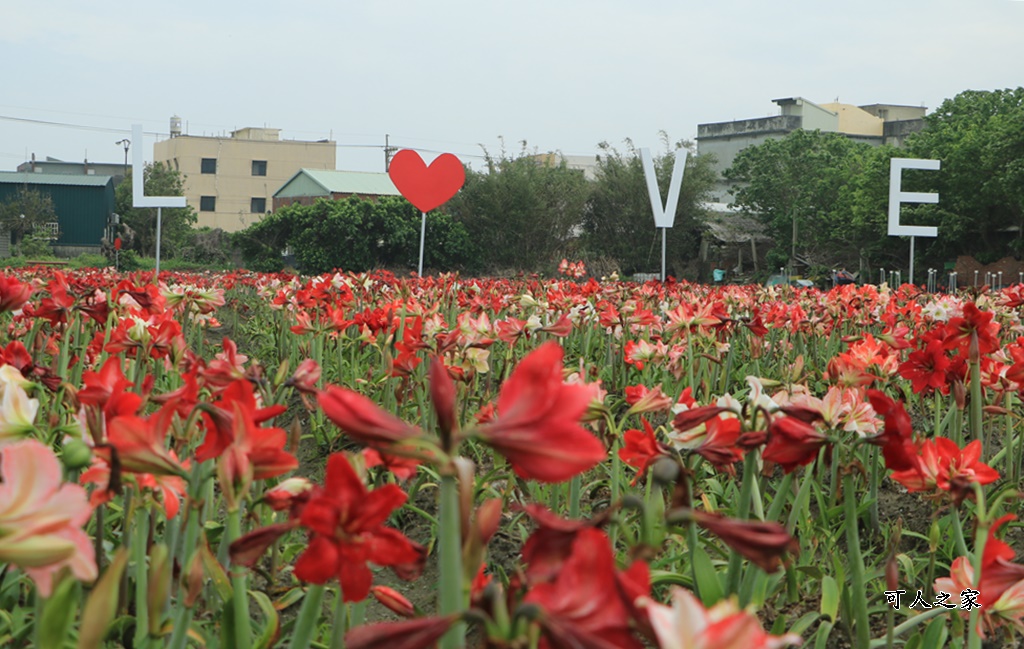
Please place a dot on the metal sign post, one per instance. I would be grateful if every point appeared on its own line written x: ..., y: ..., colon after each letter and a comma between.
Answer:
x: 423, y: 236
x: 139, y: 199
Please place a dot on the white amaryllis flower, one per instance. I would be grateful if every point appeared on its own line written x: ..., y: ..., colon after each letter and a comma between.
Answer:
x: 17, y: 413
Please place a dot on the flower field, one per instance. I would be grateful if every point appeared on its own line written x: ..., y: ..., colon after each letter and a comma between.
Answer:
x: 365, y: 461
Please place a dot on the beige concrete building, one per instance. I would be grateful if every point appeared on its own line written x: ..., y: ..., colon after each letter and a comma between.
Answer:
x: 230, y: 181
x: 874, y: 124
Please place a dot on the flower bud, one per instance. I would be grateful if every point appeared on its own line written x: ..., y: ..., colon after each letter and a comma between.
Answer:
x: 76, y: 455
x: 892, y: 573
x: 159, y: 586
x: 393, y: 601
x: 442, y: 391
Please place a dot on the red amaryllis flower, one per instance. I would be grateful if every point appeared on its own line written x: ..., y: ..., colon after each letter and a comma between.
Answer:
x: 227, y: 367
x: 1000, y: 586
x: 220, y: 432
x: 138, y: 443
x: 538, y: 423
x: 13, y: 293
x: 100, y: 386
x: 959, y: 331
x: 943, y: 466
x: 641, y: 448
x: 550, y: 544
x: 926, y: 368
x: 362, y: 419
x: 583, y: 606
x: 763, y: 543
x: 245, y: 450
x: 403, y: 468
x: 792, y: 443
x: 306, y: 376
x: 420, y: 633
x: 896, y: 439
x: 642, y: 400
x: 347, y: 531
x: 56, y: 307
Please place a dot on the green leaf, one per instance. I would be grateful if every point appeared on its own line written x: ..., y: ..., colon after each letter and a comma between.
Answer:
x: 292, y: 597
x: 709, y: 584
x: 936, y: 633
x: 101, y: 606
x: 666, y: 578
x: 215, y: 572
x: 272, y: 629
x: 804, y: 623
x: 822, y: 634
x: 58, y: 613
x: 829, y: 598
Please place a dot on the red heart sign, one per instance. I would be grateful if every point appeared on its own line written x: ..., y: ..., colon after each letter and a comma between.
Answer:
x: 423, y: 186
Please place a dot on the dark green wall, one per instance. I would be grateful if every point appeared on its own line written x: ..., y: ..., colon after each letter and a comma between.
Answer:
x: 82, y: 211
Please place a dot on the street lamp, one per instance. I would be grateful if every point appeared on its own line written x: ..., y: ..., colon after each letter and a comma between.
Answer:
x: 125, y: 143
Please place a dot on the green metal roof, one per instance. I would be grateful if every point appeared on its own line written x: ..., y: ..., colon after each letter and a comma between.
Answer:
x: 18, y: 177
x: 324, y: 182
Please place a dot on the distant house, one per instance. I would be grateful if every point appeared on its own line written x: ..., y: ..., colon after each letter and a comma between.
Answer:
x: 728, y: 238
x: 310, y: 184
x: 84, y: 206
x: 115, y: 170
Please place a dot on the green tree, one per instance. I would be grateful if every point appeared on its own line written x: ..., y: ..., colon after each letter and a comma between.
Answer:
x: 26, y: 211
x: 522, y: 212
x: 797, y: 186
x: 354, y: 234
x: 979, y: 137
x: 619, y: 223
x: 176, y: 232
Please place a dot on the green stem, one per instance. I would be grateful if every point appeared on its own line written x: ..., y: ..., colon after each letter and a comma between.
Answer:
x: 574, y: 497
x: 742, y: 510
x: 958, y: 534
x: 239, y: 587
x: 1011, y: 466
x: 182, y: 622
x: 858, y: 591
x: 873, y: 487
x: 305, y: 623
x: 141, y: 574
x: 976, y: 403
x: 910, y: 624
x: 340, y: 622
x: 450, y: 548
x: 980, y: 539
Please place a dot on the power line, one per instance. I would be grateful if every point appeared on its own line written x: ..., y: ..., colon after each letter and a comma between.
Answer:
x: 122, y: 131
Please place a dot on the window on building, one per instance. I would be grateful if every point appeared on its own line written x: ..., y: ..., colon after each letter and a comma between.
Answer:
x: 209, y: 166
x: 258, y: 205
x: 259, y: 167
x: 51, y: 230
x: 207, y: 203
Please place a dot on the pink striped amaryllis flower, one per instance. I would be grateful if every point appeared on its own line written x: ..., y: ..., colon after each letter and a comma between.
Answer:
x: 41, y: 518
x: 688, y: 625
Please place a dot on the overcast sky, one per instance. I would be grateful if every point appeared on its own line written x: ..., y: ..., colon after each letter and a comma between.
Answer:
x: 450, y: 75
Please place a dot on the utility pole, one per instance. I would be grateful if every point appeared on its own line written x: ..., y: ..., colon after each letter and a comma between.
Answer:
x: 388, y: 152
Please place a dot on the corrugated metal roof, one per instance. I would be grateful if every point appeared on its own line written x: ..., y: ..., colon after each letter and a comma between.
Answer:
x: 16, y: 177
x: 344, y: 182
